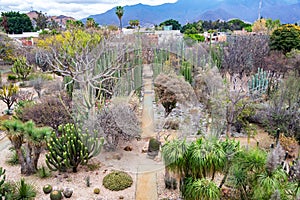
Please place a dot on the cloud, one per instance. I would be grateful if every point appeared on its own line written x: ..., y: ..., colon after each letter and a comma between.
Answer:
x: 74, y: 8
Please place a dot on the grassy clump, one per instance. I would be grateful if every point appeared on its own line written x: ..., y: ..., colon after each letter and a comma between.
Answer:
x: 117, y: 181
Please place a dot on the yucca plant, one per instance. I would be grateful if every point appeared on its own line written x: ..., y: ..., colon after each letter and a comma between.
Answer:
x: 201, y: 189
x: 24, y: 190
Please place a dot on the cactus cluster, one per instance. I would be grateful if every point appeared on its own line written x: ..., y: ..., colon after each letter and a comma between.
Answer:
x: 259, y: 82
x: 71, y: 149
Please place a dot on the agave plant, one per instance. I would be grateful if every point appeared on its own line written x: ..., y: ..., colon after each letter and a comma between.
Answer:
x: 24, y: 190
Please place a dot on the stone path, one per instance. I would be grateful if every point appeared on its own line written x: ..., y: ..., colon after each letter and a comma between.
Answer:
x: 146, y: 188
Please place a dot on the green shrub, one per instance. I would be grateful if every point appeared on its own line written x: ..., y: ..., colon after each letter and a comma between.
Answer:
x: 117, y: 181
x: 11, y: 77
x: 12, y: 158
x: 46, y: 77
x: 43, y: 172
x: 8, y: 190
x: 56, y: 195
x: 47, y: 189
x: 153, y: 145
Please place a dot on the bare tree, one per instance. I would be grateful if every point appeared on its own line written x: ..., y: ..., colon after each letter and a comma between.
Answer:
x: 117, y: 123
x: 244, y: 54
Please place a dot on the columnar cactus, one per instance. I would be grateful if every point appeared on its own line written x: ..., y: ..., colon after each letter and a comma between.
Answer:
x: 71, y: 149
x: 259, y: 82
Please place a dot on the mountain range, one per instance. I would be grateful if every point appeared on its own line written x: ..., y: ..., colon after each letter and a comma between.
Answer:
x: 184, y: 11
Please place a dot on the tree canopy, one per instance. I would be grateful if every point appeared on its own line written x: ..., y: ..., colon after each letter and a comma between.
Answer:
x: 285, y: 38
x: 171, y: 22
x: 15, y: 22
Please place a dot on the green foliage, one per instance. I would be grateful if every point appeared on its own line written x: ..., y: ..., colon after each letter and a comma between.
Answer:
x: 43, y: 76
x: 43, y: 172
x: 259, y: 83
x: 171, y: 22
x: 2, y: 180
x: 24, y: 190
x: 15, y: 22
x: 285, y: 38
x: 21, y: 68
x: 200, y: 189
x: 8, y: 94
x: 195, y: 37
x: 13, y: 158
x: 56, y: 195
x: 11, y: 77
x: 71, y: 149
x: 47, y: 189
x: 117, y: 180
x: 186, y: 71
x: 153, y: 145
x: 120, y: 13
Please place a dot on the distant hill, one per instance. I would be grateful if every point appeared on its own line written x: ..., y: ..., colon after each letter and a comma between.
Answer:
x: 288, y: 11
x: 62, y: 20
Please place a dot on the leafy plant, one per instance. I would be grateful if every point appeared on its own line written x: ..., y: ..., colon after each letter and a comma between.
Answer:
x: 117, y: 181
x: 21, y: 68
x: 201, y: 189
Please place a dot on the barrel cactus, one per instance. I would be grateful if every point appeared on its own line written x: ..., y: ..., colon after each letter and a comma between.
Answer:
x: 47, y: 189
x: 56, y: 195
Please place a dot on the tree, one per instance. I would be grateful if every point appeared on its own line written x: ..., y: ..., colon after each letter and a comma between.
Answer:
x: 16, y: 22
x: 52, y: 111
x: 134, y: 23
x: 21, y: 68
x: 285, y: 38
x: 120, y: 13
x: 171, y: 22
x: 260, y: 26
x: 90, y: 23
x: 41, y: 21
x: 31, y: 137
x: 8, y: 94
x: 117, y: 123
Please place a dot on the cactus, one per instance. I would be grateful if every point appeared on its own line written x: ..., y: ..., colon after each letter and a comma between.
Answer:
x: 259, y: 82
x: 96, y: 191
x: 47, y: 189
x: 71, y: 149
x: 186, y: 71
x: 56, y: 195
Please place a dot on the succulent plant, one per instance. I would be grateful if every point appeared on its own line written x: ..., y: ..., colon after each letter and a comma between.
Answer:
x: 47, y: 189
x: 68, y: 192
x: 56, y: 195
x: 96, y: 191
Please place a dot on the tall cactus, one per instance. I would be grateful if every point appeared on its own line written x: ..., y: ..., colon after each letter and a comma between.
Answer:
x: 71, y: 149
x: 259, y: 82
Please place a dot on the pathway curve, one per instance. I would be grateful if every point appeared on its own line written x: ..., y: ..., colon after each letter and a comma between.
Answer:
x: 146, y: 188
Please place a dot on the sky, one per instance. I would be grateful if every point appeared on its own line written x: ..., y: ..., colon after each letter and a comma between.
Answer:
x: 75, y: 8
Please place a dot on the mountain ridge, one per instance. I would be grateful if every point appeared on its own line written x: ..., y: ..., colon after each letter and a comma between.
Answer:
x: 288, y: 11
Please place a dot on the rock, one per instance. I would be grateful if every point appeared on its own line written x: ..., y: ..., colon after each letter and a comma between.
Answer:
x: 128, y: 148
x: 65, y: 176
x: 117, y: 156
x: 121, y: 197
x: 145, y: 149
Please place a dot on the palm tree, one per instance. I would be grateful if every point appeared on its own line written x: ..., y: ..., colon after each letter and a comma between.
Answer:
x: 120, y: 13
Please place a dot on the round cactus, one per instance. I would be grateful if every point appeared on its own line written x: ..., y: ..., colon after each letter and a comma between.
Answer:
x: 55, y: 195
x: 96, y: 191
x: 68, y: 192
x: 47, y: 189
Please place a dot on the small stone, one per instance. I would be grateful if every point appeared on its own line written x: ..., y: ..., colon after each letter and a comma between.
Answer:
x: 65, y: 176
x: 121, y: 197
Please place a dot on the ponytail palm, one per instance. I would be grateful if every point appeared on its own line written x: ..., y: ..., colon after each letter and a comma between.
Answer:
x: 174, y: 155
x: 201, y: 189
x: 205, y: 158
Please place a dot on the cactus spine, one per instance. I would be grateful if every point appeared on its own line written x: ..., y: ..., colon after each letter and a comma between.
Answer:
x: 71, y: 149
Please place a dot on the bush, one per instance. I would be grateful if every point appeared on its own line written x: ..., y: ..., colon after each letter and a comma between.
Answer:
x: 117, y: 181
x: 11, y: 77
x: 153, y: 145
